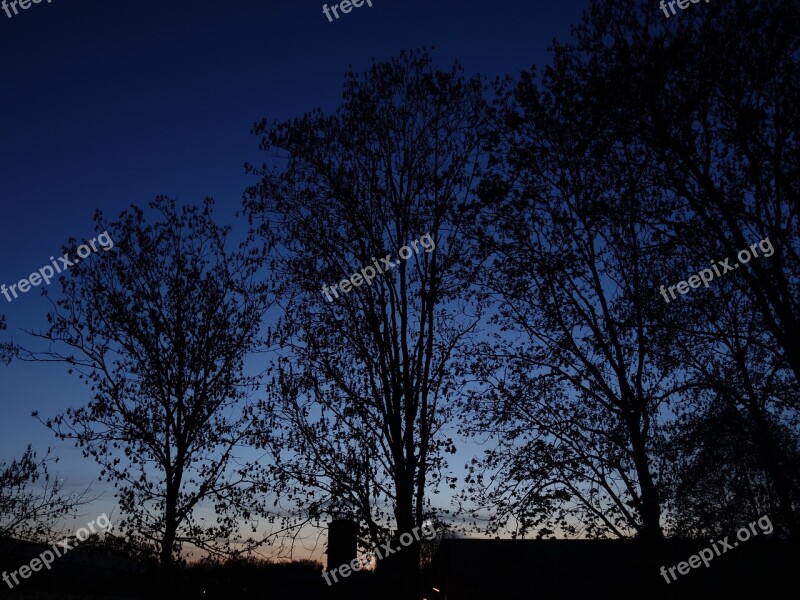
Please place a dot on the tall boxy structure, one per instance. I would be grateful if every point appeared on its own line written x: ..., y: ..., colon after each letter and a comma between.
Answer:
x: 342, y: 542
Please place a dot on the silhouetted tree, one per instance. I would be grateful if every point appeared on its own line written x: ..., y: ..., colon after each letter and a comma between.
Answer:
x: 575, y: 383
x: 723, y: 482
x: 648, y: 148
x: 370, y: 379
x: 160, y: 327
x: 32, y: 502
x: 740, y: 390
x: 710, y: 117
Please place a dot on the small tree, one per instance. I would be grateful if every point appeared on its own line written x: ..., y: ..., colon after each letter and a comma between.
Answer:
x: 160, y: 328
x: 28, y: 511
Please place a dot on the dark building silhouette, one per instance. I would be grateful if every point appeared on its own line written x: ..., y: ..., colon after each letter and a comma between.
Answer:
x: 579, y: 569
x: 342, y: 542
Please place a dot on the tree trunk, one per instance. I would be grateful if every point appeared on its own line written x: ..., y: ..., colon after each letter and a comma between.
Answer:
x: 166, y: 556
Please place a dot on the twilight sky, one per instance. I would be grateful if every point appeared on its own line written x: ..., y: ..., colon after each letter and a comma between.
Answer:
x: 106, y: 104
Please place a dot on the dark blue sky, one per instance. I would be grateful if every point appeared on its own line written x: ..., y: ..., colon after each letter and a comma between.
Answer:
x: 111, y: 103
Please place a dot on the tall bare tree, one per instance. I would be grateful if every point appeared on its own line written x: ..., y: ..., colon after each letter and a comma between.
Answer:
x: 711, y: 117
x: 368, y: 385
x: 575, y: 385
x: 646, y: 149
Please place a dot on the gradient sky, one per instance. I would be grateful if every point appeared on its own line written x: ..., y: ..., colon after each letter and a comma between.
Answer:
x: 106, y: 104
